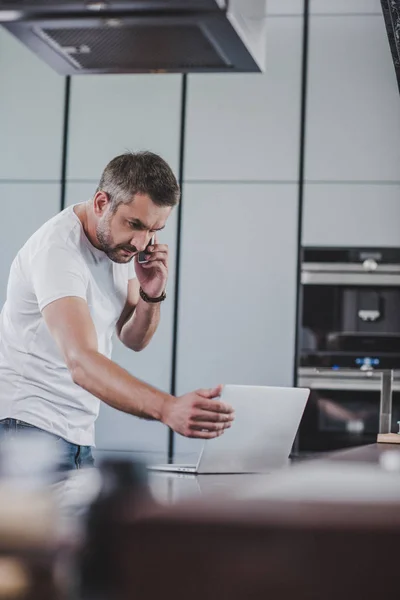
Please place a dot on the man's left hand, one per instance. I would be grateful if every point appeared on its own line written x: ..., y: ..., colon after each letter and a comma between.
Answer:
x: 153, y: 274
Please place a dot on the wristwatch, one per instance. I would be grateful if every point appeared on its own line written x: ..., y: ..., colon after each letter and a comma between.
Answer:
x: 147, y: 298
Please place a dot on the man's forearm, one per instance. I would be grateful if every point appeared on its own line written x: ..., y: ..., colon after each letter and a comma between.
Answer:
x: 137, y: 332
x: 111, y: 383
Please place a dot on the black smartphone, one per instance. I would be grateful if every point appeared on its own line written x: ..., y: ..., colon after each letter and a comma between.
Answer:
x: 141, y: 255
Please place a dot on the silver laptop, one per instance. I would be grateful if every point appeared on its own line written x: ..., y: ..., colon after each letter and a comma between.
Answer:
x: 261, y: 436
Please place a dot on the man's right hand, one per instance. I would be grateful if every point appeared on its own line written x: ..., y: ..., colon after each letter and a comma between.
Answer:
x: 198, y: 414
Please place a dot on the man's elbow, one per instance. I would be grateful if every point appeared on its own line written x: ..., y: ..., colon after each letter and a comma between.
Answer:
x: 133, y: 344
x: 76, y: 365
x: 136, y: 347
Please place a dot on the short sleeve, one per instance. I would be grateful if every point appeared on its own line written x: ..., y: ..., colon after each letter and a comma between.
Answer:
x: 58, y: 272
x: 131, y: 269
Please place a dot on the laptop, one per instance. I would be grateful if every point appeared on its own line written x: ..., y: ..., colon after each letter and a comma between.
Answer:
x: 261, y: 436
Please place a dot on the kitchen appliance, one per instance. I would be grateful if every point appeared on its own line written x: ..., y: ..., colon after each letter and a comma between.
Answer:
x: 349, y: 332
x: 391, y: 14
x: 132, y: 36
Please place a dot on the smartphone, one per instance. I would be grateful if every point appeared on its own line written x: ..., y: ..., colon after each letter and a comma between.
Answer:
x: 141, y: 255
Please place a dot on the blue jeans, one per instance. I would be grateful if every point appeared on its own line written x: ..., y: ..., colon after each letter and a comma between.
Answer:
x: 73, y: 456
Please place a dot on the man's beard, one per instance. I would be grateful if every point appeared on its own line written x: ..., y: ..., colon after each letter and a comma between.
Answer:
x: 106, y: 244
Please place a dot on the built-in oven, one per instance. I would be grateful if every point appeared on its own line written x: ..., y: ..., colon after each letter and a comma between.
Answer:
x: 349, y: 330
x: 343, y: 408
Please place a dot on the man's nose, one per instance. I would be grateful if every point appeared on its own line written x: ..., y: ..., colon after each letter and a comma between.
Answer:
x: 140, y: 241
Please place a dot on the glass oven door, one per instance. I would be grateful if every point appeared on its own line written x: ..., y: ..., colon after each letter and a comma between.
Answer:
x: 349, y: 314
x: 343, y: 409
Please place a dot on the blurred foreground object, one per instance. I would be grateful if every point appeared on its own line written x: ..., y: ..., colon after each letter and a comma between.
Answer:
x: 124, y: 496
x: 15, y: 579
x: 320, y: 530
x: 30, y: 548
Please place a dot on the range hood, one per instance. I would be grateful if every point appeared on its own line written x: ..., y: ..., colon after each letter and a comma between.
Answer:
x: 118, y: 36
x: 391, y: 13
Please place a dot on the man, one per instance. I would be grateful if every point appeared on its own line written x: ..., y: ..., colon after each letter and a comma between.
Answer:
x: 75, y: 282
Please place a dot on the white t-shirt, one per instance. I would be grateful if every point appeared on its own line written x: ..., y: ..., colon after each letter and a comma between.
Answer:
x: 35, y: 384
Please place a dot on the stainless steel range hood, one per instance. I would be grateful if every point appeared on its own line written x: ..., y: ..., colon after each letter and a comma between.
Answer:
x: 391, y: 13
x: 131, y: 36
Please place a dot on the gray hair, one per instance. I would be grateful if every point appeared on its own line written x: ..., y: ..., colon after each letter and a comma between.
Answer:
x: 139, y: 173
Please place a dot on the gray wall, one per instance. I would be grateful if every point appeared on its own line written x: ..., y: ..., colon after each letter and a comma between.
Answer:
x: 31, y: 119
x: 109, y: 115
x: 237, y: 292
x: 239, y: 255
x: 352, y: 191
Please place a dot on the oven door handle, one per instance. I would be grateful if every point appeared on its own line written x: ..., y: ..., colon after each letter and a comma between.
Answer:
x: 344, y: 384
x: 353, y: 279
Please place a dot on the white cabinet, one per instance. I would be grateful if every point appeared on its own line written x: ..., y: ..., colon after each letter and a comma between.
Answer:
x: 246, y: 126
x: 111, y: 114
x: 351, y: 215
x: 238, y: 287
x: 359, y: 7
x: 116, y: 430
x: 285, y: 7
x: 353, y: 104
x: 31, y: 114
x: 24, y: 208
x: 325, y: 7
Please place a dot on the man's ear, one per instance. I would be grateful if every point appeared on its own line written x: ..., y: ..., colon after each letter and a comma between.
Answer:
x: 101, y: 202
